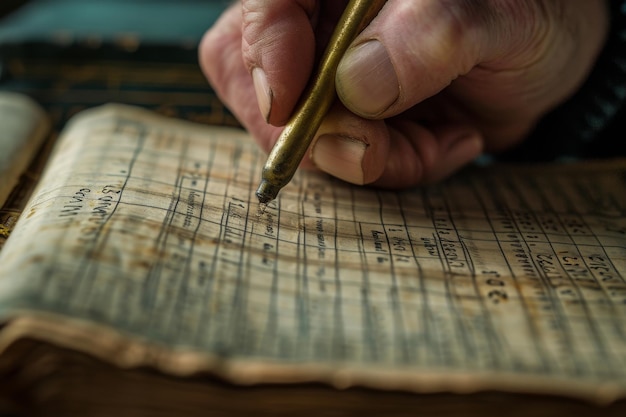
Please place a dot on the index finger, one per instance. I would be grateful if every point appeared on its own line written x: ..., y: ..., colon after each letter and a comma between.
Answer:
x: 278, y: 48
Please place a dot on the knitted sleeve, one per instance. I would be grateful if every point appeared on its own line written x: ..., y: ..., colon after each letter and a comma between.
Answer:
x: 592, y: 123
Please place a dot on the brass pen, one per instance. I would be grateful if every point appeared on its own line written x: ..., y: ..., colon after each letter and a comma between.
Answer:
x: 295, y: 139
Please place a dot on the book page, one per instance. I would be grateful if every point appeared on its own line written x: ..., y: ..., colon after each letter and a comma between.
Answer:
x: 24, y: 127
x: 143, y: 245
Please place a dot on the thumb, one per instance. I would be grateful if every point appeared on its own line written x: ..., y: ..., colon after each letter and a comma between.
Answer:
x: 411, y: 51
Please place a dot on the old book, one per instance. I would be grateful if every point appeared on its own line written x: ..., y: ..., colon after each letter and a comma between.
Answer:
x: 24, y: 128
x: 141, y: 279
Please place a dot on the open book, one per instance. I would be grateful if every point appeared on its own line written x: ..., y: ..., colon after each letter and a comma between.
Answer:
x: 142, y: 265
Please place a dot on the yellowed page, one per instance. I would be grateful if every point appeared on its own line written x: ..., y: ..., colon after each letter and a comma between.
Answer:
x: 24, y: 127
x: 143, y: 245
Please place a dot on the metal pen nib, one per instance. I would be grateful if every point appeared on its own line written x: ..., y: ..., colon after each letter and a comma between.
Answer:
x: 267, y: 191
x: 299, y: 132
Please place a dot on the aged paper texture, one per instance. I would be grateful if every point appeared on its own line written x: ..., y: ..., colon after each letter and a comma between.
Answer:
x: 143, y: 245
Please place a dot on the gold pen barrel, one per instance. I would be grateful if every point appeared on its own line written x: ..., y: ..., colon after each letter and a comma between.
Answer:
x: 294, y: 141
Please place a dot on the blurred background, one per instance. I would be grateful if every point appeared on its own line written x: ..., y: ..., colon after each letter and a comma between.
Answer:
x: 72, y: 54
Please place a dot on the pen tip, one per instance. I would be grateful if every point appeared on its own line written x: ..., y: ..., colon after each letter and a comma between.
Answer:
x: 266, y: 192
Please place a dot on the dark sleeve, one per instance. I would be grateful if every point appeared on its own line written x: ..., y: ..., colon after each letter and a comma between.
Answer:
x: 591, y: 124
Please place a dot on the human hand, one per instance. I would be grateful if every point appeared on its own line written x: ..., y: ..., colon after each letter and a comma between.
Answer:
x: 424, y: 89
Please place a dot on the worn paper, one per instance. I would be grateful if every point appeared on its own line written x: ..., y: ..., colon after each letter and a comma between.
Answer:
x: 144, y: 245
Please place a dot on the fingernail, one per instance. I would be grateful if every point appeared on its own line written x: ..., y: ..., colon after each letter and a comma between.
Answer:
x: 340, y: 156
x: 366, y: 79
x: 263, y: 92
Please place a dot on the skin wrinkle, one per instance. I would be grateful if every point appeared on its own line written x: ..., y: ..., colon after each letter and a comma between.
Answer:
x: 270, y: 41
x: 509, y: 125
x: 495, y: 77
x: 448, y: 36
x: 279, y: 25
x: 263, y: 45
x: 508, y: 18
x: 539, y: 50
x: 468, y: 16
